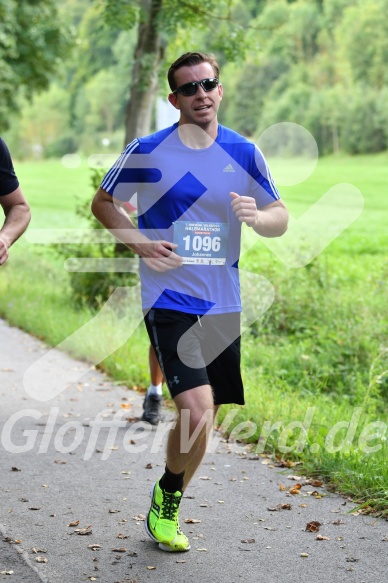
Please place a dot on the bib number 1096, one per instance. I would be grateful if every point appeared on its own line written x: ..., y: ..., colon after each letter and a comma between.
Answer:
x: 198, y: 243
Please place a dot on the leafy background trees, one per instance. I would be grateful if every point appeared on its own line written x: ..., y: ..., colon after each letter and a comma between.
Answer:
x: 31, y: 43
x: 80, y: 71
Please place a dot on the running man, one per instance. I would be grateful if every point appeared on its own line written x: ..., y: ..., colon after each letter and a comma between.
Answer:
x: 197, y: 182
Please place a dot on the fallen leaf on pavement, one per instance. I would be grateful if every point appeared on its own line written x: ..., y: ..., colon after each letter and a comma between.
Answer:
x: 248, y: 540
x: 192, y: 521
x: 15, y: 469
x: 321, y: 537
x: 75, y: 523
x: 41, y: 560
x: 149, y: 467
x: 120, y: 550
x: 313, y: 526
x: 12, y: 541
x: 151, y: 568
x: 281, y: 463
x: 280, y: 507
x: 6, y: 572
x: 295, y: 489
x: 139, y: 517
x: 113, y: 511
x: 94, y: 547
x: 84, y: 531
x: 304, y: 555
x: 316, y: 494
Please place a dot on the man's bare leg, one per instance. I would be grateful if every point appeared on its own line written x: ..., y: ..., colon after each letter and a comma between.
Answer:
x: 188, y: 440
x: 153, y: 400
x: 156, y: 374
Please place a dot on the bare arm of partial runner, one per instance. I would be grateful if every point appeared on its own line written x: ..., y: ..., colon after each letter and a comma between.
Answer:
x: 17, y: 217
x: 158, y: 255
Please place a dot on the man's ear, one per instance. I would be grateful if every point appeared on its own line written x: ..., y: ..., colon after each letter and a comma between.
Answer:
x: 220, y: 90
x: 173, y: 99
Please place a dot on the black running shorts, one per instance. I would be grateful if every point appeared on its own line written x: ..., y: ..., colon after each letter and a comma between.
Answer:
x: 198, y: 350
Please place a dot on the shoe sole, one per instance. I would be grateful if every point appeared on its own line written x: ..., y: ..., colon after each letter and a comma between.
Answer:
x: 153, y: 423
x: 170, y: 549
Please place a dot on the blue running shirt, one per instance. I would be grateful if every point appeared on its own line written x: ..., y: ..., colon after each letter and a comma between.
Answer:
x: 187, y: 190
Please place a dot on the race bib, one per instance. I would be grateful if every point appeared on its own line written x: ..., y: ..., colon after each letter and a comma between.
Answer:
x: 201, y: 243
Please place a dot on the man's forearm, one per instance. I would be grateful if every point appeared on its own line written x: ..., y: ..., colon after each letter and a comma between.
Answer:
x: 271, y: 222
x: 17, y: 219
x: 121, y: 226
x: 158, y: 255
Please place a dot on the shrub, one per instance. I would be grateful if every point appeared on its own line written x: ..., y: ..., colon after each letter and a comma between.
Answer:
x: 93, y: 288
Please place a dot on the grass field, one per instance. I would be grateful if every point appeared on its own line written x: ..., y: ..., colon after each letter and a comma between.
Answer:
x: 315, y: 365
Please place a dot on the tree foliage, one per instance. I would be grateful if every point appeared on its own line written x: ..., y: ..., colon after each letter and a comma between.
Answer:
x: 162, y: 22
x: 31, y: 41
x: 326, y: 70
x: 318, y: 63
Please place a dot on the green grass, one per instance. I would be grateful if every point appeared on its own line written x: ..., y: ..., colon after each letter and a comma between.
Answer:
x: 54, y: 191
x: 322, y: 347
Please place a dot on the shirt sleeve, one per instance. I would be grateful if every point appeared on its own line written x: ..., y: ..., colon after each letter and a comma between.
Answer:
x: 8, y: 179
x: 263, y: 186
x: 118, y: 176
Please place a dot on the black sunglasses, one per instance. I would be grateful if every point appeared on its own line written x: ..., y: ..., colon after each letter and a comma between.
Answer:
x: 192, y: 88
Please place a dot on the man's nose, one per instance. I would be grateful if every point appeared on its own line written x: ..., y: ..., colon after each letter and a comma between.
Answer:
x: 201, y: 92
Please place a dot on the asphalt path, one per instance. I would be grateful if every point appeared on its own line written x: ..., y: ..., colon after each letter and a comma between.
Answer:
x: 75, y: 476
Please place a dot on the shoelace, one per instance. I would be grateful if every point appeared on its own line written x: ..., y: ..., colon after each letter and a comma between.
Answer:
x: 170, y: 506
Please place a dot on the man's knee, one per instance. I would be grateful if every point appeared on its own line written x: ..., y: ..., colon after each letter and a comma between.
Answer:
x: 199, y: 419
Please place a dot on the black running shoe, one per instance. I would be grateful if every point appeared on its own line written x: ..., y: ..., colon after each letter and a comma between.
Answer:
x: 152, y: 406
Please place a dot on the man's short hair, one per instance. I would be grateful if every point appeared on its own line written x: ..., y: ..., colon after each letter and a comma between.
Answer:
x: 189, y: 60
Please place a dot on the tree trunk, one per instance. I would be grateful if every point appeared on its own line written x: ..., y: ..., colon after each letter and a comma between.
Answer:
x: 148, y: 56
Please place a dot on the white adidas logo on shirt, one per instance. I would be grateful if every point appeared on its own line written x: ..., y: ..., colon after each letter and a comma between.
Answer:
x: 229, y: 168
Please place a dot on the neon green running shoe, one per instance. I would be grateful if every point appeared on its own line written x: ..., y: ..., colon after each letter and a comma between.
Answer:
x: 162, y: 519
x: 180, y: 543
